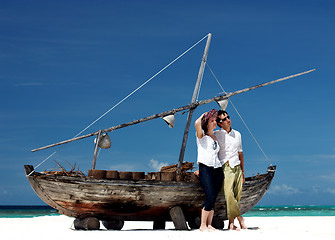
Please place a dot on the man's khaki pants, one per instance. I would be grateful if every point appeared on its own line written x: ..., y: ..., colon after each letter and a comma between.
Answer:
x: 232, y: 189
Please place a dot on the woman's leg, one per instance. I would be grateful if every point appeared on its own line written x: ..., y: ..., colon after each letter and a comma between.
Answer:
x: 204, y: 218
x: 206, y: 175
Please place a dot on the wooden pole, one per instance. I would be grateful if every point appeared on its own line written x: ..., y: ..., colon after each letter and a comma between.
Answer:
x: 96, y: 149
x: 190, y: 106
x: 194, y: 98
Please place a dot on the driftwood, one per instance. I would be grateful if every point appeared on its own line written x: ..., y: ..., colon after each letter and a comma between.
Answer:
x: 64, y: 172
x: 173, y: 168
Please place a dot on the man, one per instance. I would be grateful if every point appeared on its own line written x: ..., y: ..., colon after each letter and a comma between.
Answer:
x: 231, y: 155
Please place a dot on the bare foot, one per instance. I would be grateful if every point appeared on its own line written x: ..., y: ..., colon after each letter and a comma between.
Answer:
x: 212, y: 229
x: 233, y: 227
x: 203, y: 229
x: 241, y: 221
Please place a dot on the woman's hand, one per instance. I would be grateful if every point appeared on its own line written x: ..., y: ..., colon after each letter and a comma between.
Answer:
x: 196, y: 173
x: 198, y: 127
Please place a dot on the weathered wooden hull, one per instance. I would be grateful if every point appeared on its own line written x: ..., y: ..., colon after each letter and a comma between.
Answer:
x: 136, y: 200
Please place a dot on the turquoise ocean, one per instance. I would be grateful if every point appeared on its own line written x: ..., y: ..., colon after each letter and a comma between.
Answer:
x: 258, y: 211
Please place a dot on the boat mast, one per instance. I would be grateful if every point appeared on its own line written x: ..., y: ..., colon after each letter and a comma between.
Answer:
x: 194, y: 98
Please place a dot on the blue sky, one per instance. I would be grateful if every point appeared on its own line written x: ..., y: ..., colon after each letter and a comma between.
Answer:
x: 65, y: 63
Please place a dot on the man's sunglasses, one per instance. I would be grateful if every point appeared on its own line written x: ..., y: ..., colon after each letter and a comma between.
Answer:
x: 219, y: 120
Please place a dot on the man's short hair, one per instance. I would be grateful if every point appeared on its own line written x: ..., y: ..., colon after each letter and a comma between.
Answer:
x: 222, y: 112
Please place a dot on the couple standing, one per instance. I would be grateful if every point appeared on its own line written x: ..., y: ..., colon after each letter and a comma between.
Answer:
x: 221, y: 163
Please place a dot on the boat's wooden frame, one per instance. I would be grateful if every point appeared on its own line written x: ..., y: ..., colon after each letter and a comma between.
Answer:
x: 136, y: 200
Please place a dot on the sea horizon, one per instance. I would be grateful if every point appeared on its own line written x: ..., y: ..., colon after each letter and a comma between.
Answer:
x: 28, y: 211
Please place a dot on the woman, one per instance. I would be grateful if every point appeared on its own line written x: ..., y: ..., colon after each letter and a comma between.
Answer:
x: 210, y: 168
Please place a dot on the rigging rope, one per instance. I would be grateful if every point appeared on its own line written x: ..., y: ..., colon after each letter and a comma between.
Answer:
x: 239, y: 115
x: 138, y: 88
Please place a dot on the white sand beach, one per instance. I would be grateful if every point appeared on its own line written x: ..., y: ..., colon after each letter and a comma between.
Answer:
x: 61, y: 228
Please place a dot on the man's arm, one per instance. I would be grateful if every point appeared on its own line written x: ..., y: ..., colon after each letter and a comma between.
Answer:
x: 241, y: 157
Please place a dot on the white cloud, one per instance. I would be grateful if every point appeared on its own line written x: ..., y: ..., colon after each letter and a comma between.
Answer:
x: 283, y: 189
x: 330, y: 190
x: 330, y: 177
x: 326, y: 156
x: 316, y: 189
x: 156, y: 166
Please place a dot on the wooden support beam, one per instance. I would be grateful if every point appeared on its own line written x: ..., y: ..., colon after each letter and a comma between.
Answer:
x: 113, y: 225
x: 159, y: 224
x: 178, y: 218
x: 90, y: 223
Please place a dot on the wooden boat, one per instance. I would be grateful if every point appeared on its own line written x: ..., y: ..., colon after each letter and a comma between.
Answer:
x: 114, y: 197
x: 137, y: 200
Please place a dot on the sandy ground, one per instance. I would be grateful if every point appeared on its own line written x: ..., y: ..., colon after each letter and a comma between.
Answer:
x: 61, y: 228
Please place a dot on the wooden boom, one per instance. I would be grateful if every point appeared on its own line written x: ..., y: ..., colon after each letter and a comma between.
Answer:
x: 173, y: 111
